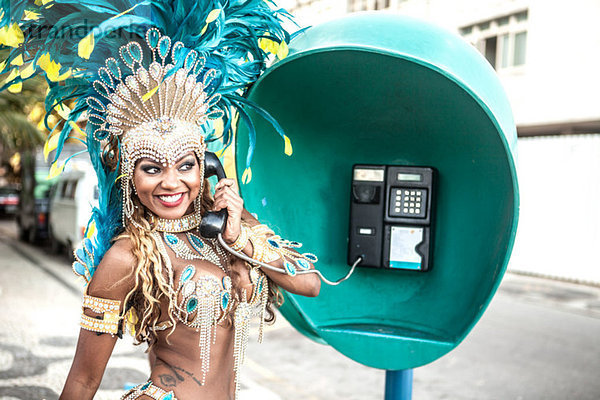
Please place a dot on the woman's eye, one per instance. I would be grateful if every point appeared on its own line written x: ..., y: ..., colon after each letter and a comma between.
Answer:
x: 150, y: 169
x: 187, y: 166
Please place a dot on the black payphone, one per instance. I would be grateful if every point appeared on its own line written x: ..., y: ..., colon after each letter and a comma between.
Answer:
x: 391, y: 215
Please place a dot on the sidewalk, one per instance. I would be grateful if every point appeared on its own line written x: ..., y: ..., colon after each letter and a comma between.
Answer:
x: 531, y: 340
x: 40, y: 300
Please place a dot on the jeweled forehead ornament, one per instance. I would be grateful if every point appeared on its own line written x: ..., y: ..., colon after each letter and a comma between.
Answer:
x: 156, y: 112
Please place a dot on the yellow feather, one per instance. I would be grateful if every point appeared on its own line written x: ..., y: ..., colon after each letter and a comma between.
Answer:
x: 55, y: 170
x: 28, y: 71
x: 16, y: 88
x: 204, y: 29
x: 51, y: 144
x: 18, y: 60
x: 91, y: 229
x: 288, y: 146
x: 247, y: 176
x: 124, y: 12
x: 283, y: 50
x: 77, y: 129
x: 31, y: 15
x: 86, y: 46
x: 13, y: 74
x: 213, y: 15
x: 150, y: 93
x: 65, y: 75
x: 63, y: 111
x: 11, y: 35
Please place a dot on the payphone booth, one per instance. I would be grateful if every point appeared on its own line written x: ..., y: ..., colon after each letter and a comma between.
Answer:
x: 380, y: 100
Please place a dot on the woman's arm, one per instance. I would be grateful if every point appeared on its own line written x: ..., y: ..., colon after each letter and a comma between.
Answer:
x: 88, y: 366
x: 112, y: 281
x: 226, y: 196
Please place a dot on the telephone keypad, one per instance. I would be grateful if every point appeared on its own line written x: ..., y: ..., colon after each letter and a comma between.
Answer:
x: 408, y: 202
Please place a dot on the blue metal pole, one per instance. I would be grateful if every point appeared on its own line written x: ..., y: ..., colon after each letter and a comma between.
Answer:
x: 398, y: 384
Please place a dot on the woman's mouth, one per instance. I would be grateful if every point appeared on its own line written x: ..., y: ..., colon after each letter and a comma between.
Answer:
x: 170, y: 200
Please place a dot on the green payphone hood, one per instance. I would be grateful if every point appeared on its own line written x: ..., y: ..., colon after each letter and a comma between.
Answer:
x: 377, y: 88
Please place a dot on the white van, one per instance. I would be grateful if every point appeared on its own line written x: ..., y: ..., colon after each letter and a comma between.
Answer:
x: 71, y: 202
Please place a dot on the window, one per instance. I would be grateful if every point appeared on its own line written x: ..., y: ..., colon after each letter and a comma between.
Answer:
x: 502, y: 40
x: 382, y: 4
x: 519, y: 53
x: 358, y: 5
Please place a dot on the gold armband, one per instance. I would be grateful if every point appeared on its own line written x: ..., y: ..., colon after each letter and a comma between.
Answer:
x: 109, y: 323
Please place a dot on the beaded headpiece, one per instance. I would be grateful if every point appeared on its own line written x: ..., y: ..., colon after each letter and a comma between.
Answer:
x: 155, y: 113
x: 148, y: 77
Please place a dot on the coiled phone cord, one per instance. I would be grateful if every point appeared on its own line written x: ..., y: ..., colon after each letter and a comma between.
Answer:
x: 282, y: 271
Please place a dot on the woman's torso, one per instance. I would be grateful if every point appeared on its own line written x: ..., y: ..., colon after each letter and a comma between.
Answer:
x: 203, y: 316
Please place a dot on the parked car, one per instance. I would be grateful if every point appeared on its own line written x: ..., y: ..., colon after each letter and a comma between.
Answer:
x: 9, y: 200
x: 71, y: 202
x: 34, y: 205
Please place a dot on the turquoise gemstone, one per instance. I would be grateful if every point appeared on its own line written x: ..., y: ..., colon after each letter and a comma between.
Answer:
x: 260, y: 286
x: 79, y: 268
x: 136, y: 51
x: 79, y: 253
x: 153, y: 36
x: 187, y: 273
x: 290, y: 269
x: 168, y: 397
x: 310, y: 257
x: 302, y: 263
x: 192, y: 304
x: 145, y: 386
x: 171, y: 238
x: 197, y: 241
x: 273, y: 243
x: 225, y: 300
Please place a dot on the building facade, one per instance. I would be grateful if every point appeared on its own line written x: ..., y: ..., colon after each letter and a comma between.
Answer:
x: 547, y: 56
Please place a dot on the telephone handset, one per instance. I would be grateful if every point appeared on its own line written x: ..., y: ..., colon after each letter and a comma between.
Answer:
x: 213, y: 224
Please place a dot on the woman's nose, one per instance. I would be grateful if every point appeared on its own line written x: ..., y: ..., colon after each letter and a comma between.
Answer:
x: 170, y: 179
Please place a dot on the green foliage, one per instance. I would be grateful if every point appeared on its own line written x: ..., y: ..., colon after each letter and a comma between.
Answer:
x: 17, y: 133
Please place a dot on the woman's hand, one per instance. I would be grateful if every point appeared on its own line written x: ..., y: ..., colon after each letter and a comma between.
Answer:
x: 227, y: 196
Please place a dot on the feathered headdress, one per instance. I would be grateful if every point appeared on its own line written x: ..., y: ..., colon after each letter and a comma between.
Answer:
x: 96, y: 54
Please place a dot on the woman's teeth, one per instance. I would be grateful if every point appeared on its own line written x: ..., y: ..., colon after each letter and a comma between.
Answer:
x: 171, y: 198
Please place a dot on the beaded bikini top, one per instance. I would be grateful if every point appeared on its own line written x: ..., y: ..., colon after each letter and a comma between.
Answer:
x: 205, y: 300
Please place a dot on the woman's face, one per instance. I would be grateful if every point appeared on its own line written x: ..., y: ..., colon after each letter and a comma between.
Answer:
x: 168, y: 192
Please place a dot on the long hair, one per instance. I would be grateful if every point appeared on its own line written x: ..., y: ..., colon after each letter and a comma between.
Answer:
x: 151, y: 278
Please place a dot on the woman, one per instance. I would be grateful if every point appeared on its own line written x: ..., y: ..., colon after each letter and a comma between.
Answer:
x: 178, y: 365
x: 151, y: 78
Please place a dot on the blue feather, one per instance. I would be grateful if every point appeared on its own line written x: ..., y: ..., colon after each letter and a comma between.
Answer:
x: 229, y: 44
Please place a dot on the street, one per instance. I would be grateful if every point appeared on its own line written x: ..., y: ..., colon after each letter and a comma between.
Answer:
x: 539, y: 339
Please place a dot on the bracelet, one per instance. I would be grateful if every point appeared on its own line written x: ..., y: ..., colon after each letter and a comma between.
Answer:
x: 242, y: 239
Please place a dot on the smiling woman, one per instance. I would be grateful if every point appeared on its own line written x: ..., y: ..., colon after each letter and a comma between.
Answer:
x: 168, y: 192
x: 149, y: 113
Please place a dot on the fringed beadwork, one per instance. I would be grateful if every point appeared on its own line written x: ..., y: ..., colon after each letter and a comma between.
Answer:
x: 241, y: 321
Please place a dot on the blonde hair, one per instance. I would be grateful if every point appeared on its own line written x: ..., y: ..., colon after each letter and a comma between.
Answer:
x: 150, y: 276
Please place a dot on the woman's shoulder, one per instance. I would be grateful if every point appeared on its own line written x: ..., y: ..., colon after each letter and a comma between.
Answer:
x: 114, y: 276
x: 120, y: 251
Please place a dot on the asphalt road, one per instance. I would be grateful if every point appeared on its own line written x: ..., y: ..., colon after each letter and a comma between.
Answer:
x: 539, y: 339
